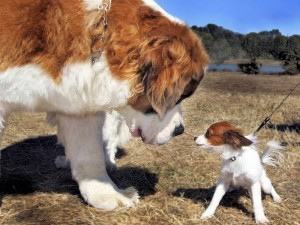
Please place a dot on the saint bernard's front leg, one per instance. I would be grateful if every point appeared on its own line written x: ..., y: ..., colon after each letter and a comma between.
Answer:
x: 82, y: 138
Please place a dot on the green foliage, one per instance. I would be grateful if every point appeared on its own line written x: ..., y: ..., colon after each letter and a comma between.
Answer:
x: 250, y: 68
x: 253, y: 45
x: 292, y: 63
x: 220, y: 43
x: 221, y: 50
x: 279, y: 47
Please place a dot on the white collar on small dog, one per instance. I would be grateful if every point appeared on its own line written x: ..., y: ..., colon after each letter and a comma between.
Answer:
x: 230, y: 155
x: 231, y: 158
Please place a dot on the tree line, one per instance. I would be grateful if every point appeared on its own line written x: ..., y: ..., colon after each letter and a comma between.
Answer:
x: 223, y: 44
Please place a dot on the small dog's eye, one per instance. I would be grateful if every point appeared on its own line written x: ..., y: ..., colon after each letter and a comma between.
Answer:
x: 207, y: 134
x: 150, y: 111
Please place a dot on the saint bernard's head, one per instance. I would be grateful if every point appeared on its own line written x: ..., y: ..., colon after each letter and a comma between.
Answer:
x: 163, y: 60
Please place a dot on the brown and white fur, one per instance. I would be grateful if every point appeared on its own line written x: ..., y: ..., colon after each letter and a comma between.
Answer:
x: 242, y: 166
x: 150, y: 61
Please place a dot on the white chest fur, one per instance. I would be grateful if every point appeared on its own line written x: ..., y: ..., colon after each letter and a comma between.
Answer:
x: 245, y: 169
x: 83, y: 88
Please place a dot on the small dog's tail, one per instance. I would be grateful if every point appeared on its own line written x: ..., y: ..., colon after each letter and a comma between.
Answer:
x: 272, y: 154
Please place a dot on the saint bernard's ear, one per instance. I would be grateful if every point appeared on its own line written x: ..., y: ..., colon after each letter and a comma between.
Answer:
x: 150, y: 76
x: 165, y: 72
x: 171, y: 60
x: 162, y: 92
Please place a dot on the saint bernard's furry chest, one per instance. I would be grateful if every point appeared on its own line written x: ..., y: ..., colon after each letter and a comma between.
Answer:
x: 75, y: 94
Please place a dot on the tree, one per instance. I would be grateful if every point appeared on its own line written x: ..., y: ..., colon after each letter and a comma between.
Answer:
x: 292, y: 55
x: 220, y: 51
x: 293, y: 44
x: 235, y: 42
x: 206, y: 37
x: 268, y: 38
x: 220, y: 43
x: 253, y: 45
x: 279, y: 47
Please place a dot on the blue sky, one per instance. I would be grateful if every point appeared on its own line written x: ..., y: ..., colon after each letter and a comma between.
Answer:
x: 241, y: 16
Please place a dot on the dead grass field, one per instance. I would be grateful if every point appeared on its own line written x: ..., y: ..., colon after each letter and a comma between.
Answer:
x: 176, y: 181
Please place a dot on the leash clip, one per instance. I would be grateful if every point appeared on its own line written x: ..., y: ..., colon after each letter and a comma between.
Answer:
x: 266, y: 120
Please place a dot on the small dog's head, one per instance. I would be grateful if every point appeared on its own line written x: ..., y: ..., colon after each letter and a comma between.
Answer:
x: 222, y: 134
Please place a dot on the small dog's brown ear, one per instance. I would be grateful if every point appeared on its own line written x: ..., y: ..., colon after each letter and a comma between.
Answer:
x: 235, y: 139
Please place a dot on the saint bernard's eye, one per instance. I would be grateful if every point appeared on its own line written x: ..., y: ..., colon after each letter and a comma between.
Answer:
x: 184, y: 96
x: 150, y: 111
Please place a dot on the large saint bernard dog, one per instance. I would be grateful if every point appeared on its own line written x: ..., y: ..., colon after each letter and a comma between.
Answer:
x: 76, y: 58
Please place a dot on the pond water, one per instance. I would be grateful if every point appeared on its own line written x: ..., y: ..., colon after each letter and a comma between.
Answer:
x: 235, y: 68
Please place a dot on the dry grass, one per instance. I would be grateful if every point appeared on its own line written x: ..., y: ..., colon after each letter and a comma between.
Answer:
x: 176, y: 181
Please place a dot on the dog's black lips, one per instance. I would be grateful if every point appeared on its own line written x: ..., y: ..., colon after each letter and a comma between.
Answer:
x: 141, y: 134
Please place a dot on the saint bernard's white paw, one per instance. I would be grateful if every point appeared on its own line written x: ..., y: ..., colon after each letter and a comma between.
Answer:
x: 105, y: 195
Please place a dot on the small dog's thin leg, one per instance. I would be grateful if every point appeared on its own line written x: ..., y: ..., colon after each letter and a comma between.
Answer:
x: 257, y: 204
x: 268, y: 188
x: 222, y: 187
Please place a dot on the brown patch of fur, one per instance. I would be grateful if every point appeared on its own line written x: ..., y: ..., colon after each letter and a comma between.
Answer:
x: 236, y: 139
x: 51, y: 33
x: 224, y: 133
x: 140, y: 103
x: 159, y: 57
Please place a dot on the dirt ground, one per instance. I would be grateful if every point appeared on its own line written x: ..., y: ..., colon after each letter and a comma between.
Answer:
x: 175, y: 181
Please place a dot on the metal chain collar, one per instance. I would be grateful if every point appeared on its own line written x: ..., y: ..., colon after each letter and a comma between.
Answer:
x: 103, y: 9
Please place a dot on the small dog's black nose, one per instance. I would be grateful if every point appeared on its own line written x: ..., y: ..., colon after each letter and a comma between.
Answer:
x: 195, y: 138
x: 178, y: 130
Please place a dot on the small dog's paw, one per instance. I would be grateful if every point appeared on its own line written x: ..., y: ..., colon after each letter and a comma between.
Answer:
x: 277, y: 199
x: 207, y: 215
x: 262, y: 220
x: 104, y: 195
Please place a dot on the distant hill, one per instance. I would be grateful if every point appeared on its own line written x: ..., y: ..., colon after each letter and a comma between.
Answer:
x: 223, y: 44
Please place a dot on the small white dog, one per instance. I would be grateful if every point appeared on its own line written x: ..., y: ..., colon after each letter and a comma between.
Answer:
x: 242, y: 166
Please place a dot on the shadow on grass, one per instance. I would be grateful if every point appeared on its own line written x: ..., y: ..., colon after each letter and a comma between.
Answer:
x: 294, y: 127
x: 204, y: 196
x: 28, y: 166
